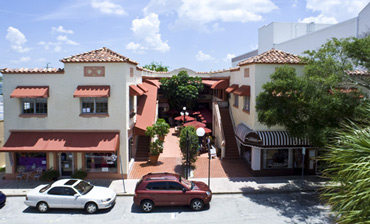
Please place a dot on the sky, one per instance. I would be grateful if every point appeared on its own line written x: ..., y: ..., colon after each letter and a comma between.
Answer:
x: 202, y: 35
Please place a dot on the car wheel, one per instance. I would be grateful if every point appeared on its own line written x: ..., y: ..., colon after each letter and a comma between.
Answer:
x: 91, y: 207
x: 42, y: 207
x: 147, y: 206
x: 196, y: 204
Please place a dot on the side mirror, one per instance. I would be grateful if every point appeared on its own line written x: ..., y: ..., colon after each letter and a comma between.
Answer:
x: 76, y: 195
x: 184, y: 190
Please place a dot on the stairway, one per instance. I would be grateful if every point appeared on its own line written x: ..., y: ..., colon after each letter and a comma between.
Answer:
x: 142, y: 151
x: 231, y: 147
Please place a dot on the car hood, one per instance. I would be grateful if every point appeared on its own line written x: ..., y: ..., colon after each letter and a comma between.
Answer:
x: 198, y: 185
x: 101, y: 193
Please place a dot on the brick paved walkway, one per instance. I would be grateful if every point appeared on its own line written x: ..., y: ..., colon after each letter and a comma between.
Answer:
x: 170, y: 161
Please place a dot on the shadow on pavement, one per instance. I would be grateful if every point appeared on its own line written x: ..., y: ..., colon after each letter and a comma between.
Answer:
x: 66, y: 211
x: 168, y: 209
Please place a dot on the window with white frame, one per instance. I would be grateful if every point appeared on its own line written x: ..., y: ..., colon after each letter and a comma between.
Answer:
x: 94, y: 105
x: 34, y: 106
x: 247, y: 101
x: 236, y: 100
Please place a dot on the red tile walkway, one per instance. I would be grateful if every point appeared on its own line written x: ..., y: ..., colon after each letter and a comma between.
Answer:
x: 170, y: 161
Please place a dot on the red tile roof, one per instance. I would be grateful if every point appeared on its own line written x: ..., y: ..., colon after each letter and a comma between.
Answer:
x: 100, y: 55
x: 32, y: 70
x: 243, y: 91
x: 232, y: 88
x: 273, y: 56
x: 92, y: 91
x: 358, y: 73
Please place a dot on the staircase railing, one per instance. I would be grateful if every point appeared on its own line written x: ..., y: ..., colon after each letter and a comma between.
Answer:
x: 233, y: 123
x: 221, y: 104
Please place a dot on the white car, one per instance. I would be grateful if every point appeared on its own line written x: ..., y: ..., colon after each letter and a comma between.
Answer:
x: 70, y: 193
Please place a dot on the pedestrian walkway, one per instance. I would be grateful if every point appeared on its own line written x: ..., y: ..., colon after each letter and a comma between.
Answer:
x: 171, y: 161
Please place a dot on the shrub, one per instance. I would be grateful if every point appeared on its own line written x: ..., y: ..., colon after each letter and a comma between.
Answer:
x: 79, y: 174
x: 50, y: 175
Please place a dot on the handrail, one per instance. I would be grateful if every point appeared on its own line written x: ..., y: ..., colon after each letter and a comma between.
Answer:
x: 219, y: 122
x: 233, y: 123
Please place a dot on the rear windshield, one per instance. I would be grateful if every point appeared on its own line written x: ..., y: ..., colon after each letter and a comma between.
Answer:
x: 45, y: 188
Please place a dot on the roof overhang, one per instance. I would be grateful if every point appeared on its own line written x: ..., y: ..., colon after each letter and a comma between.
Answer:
x: 30, y: 92
x: 92, y: 91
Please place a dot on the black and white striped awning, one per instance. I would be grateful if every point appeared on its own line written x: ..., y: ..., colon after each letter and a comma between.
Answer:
x: 247, y: 136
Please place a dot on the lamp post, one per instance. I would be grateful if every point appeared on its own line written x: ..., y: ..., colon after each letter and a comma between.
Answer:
x: 200, y: 133
x: 184, y: 113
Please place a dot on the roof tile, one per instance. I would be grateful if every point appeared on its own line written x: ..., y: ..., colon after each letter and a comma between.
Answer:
x: 273, y: 56
x: 32, y: 70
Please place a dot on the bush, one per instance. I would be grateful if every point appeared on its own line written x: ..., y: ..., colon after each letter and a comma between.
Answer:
x: 79, y: 174
x: 50, y: 175
x: 193, y: 144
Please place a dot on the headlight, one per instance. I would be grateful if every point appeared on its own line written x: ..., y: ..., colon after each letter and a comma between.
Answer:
x: 105, y: 200
x: 208, y: 193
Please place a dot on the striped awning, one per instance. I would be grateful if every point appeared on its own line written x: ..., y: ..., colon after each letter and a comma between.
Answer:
x: 263, y: 139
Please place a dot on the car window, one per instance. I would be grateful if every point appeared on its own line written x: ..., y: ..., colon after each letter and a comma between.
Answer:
x: 56, y: 191
x: 161, y: 185
x: 45, y: 188
x: 83, y: 187
x: 69, y: 191
x: 174, y: 186
x: 187, y: 183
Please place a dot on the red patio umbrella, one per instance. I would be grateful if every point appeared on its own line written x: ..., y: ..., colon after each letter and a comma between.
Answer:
x: 187, y: 118
x: 195, y: 124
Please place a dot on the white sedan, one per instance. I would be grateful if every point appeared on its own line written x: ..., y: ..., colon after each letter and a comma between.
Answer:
x: 71, y: 193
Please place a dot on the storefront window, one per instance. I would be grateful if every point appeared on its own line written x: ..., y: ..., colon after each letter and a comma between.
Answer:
x: 101, y: 162
x: 247, y: 153
x: 275, y: 158
x: 31, y: 161
x: 297, y: 158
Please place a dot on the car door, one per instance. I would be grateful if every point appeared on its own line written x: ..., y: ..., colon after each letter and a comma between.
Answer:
x: 69, y: 198
x: 177, y: 194
x: 54, y: 197
x: 157, y: 191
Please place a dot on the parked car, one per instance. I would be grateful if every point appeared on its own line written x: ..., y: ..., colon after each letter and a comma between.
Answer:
x: 166, y: 189
x: 71, y: 193
x: 2, y: 199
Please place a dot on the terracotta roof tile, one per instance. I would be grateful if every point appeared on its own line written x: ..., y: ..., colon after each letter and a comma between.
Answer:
x: 32, y: 70
x: 273, y: 56
x: 100, y: 55
x: 359, y: 73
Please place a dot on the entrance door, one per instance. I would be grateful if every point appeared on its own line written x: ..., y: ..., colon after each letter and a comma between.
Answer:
x: 66, y: 164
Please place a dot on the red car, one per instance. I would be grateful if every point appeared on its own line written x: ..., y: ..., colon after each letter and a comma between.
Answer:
x: 167, y: 189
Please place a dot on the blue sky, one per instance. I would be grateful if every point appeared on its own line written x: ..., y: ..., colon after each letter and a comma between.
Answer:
x: 198, y: 34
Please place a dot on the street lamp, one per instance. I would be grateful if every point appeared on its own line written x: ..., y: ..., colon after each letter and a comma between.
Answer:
x: 184, y: 113
x: 200, y: 133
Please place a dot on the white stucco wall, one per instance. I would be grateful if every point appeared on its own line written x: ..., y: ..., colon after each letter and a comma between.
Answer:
x: 64, y: 109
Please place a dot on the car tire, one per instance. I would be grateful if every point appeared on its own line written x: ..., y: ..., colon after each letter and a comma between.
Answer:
x: 42, y: 207
x: 91, y: 207
x: 147, y: 206
x: 197, y: 204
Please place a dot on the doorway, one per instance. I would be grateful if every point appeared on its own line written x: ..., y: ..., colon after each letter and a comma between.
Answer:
x: 66, y: 164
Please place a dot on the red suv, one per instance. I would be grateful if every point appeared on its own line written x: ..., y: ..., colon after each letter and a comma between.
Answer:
x: 167, y: 189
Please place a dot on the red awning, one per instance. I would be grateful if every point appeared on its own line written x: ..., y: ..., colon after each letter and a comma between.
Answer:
x: 135, y: 91
x: 92, y: 91
x: 243, y: 91
x: 155, y: 82
x: 30, y: 92
x: 30, y: 141
x: 232, y: 88
x: 142, y: 87
x: 146, y: 109
x: 216, y: 84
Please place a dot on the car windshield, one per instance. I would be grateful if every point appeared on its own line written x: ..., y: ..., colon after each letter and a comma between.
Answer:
x: 83, y: 187
x: 188, y: 183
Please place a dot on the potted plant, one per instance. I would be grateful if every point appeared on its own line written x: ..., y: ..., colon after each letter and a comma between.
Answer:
x: 155, y: 148
x: 161, y: 128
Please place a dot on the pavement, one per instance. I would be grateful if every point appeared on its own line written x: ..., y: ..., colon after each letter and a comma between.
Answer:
x: 234, y: 185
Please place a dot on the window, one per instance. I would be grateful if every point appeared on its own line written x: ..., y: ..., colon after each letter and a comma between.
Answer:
x: 247, y: 102
x: 131, y: 104
x: 246, y: 72
x: 157, y: 186
x: 34, y: 106
x: 94, y: 105
x: 30, y: 160
x: 173, y: 186
x: 131, y: 72
x: 56, y: 191
x: 69, y: 191
x: 275, y: 158
x: 236, y: 100
x: 100, y: 162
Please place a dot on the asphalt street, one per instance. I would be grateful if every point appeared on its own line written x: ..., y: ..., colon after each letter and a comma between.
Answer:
x: 228, y: 208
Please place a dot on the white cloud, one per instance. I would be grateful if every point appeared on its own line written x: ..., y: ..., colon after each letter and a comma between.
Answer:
x: 60, y: 29
x: 200, y: 56
x: 229, y: 57
x: 17, y: 39
x: 198, y: 14
x: 25, y: 59
x: 146, y: 32
x: 40, y: 60
x: 334, y: 10
x: 216, y: 28
x: 57, y: 48
x: 108, y: 7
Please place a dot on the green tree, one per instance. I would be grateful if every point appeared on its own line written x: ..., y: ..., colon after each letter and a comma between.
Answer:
x: 193, y: 142
x: 181, y: 90
x: 349, y: 169
x: 156, y: 66
x: 311, y: 106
